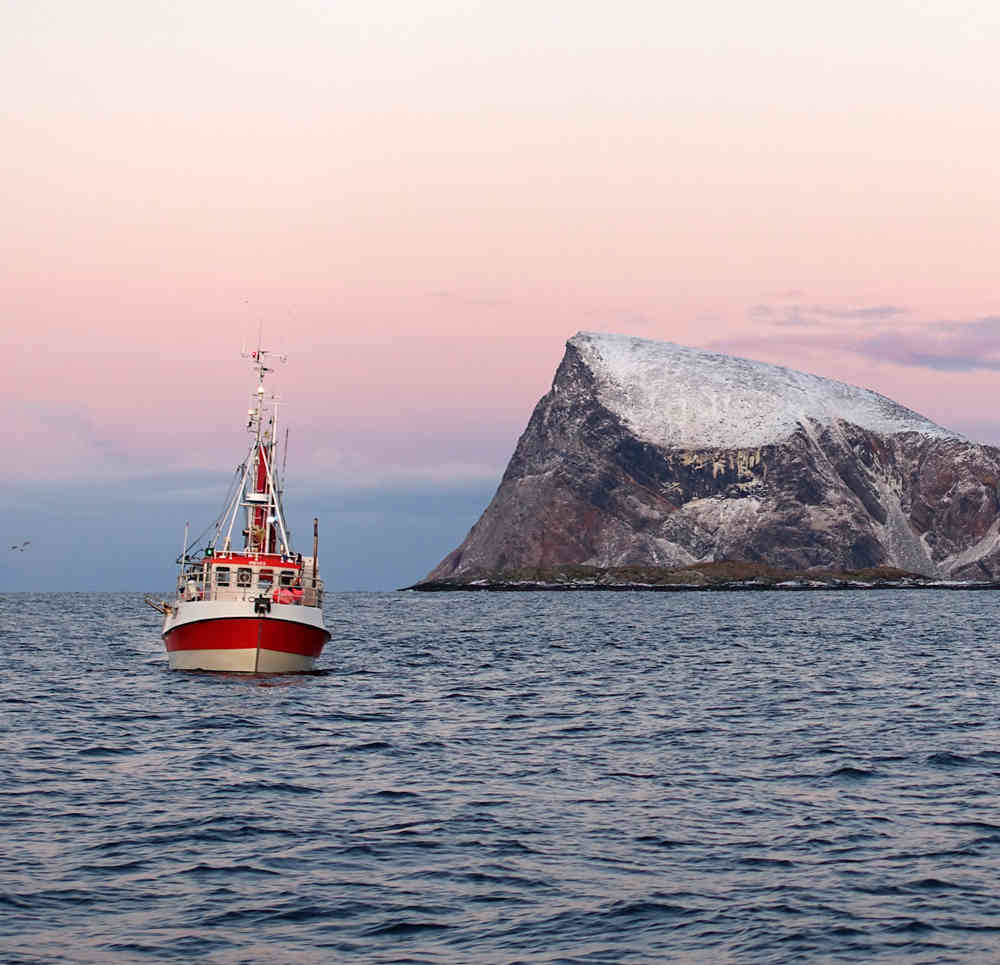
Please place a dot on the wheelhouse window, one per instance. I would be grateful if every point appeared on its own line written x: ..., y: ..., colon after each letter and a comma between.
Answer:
x: 244, y: 576
x: 222, y: 576
x: 266, y: 579
x: 286, y: 577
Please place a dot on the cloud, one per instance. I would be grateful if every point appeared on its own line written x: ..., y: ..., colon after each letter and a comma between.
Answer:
x: 820, y: 316
x: 365, y: 468
x: 944, y: 346
x: 59, y: 441
x: 860, y: 314
x: 370, y: 538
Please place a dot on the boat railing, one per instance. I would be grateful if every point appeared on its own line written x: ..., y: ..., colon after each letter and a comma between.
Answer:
x: 312, y: 595
x: 287, y: 596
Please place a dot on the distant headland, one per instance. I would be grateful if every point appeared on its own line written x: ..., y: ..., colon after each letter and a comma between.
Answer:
x: 650, y: 465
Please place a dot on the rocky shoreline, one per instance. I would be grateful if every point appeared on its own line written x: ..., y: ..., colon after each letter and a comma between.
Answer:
x: 730, y: 576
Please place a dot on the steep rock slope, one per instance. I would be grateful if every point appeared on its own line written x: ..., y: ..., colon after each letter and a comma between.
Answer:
x: 651, y: 454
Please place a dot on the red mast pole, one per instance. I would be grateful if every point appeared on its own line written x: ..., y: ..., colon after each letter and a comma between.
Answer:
x: 260, y: 486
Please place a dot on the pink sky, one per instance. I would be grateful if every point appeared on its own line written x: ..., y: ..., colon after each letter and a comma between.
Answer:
x: 424, y: 201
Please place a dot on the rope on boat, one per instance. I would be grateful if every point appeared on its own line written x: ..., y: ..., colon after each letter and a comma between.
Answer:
x: 217, y: 523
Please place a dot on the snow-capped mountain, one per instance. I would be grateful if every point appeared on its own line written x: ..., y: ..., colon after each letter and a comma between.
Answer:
x: 672, y: 395
x: 656, y: 455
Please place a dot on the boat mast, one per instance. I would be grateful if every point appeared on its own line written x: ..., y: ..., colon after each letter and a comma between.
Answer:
x: 182, y: 559
x: 258, y: 494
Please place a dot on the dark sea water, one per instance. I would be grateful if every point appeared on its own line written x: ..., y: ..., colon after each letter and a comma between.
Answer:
x: 606, y: 777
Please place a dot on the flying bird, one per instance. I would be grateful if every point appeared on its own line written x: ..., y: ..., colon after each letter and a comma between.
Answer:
x: 21, y: 548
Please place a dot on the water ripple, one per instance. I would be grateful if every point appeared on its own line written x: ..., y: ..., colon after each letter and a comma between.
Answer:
x: 750, y: 778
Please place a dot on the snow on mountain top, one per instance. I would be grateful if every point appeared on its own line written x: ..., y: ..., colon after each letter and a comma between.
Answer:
x: 671, y: 395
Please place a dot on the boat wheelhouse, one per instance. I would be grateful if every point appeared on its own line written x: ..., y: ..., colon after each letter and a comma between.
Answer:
x: 258, y: 608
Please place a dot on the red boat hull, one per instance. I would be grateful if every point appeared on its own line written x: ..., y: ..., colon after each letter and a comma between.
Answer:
x: 245, y: 645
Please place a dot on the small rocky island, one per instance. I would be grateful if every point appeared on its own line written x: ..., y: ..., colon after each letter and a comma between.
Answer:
x: 653, y: 465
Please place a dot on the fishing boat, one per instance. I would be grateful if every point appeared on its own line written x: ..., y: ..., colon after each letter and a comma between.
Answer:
x: 254, y: 608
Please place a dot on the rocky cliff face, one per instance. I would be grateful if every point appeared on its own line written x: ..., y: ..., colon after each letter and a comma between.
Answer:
x: 650, y: 454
